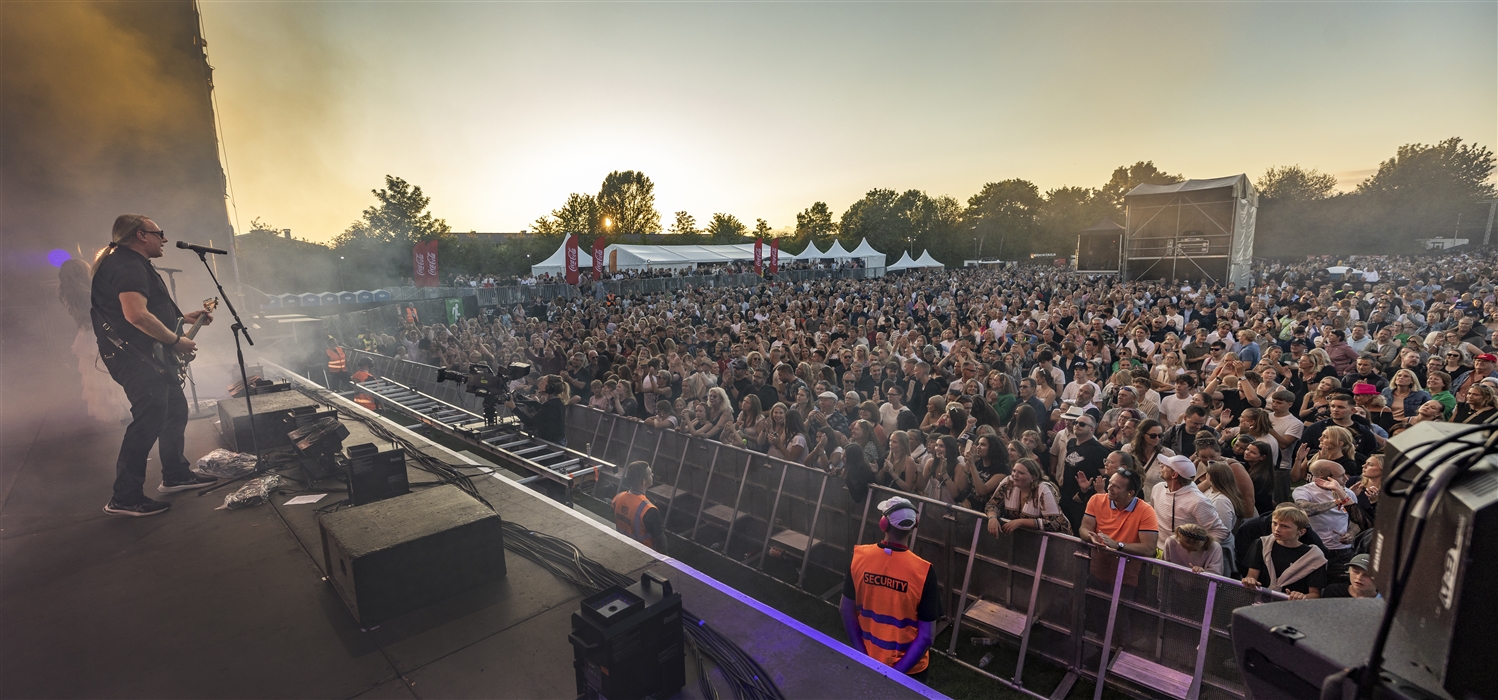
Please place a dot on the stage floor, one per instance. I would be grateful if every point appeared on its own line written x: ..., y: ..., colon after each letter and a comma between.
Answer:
x: 203, y: 603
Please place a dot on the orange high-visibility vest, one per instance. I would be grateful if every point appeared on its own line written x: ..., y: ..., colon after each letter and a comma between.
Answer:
x: 364, y: 399
x: 629, y: 516
x: 889, y: 589
x: 336, y: 360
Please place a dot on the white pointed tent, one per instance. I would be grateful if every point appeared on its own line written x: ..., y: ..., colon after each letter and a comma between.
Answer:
x: 811, y: 253
x: 557, y: 263
x: 872, y: 259
x: 905, y: 263
x: 837, y: 252
x: 927, y: 261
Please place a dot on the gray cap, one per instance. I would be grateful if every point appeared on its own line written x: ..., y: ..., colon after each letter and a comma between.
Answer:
x: 1362, y: 562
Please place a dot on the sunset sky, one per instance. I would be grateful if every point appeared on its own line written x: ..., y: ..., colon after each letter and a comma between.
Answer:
x: 498, y: 110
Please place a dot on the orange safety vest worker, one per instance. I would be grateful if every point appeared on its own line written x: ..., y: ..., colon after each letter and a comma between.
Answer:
x: 889, y: 585
x: 362, y: 398
x: 411, y: 316
x: 629, y: 516
x: 336, y: 360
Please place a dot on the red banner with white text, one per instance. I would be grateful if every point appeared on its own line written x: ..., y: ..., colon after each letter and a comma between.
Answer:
x: 572, y: 259
x: 598, y: 246
x: 759, y: 256
x: 775, y: 256
x: 424, y: 261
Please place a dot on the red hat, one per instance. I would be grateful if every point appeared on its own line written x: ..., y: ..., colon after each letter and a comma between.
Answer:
x: 1363, y: 389
x: 1488, y: 357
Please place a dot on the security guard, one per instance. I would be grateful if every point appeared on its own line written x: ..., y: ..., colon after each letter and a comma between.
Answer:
x: 890, y: 600
x: 337, y: 365
x: 634, y: 514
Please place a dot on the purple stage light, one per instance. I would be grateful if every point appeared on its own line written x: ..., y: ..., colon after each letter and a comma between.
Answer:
x: 58, y: 256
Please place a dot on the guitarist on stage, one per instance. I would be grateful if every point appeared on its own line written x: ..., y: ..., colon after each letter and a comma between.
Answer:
x: 133, y: 313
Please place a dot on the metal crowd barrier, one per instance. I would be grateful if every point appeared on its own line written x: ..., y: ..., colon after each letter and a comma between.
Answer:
x: 421, y: 377
x: 1166, y: 635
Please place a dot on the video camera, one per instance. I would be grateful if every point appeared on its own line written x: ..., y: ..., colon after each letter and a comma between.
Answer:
x: 483, y: 382
x: 480, y: 380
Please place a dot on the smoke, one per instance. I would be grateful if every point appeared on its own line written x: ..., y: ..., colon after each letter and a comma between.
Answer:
x: 104, y: 109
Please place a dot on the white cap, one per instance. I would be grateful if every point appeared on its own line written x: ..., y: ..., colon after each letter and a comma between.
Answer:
x: 1182, y: 465
x: 899, y: 511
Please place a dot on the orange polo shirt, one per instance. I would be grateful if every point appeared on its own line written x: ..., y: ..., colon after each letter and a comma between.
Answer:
x: 1123, y: 525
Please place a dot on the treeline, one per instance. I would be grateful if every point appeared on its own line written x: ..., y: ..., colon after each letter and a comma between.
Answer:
x: 1423, y: 191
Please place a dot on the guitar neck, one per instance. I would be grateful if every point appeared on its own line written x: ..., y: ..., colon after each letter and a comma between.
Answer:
x: 193, y: 331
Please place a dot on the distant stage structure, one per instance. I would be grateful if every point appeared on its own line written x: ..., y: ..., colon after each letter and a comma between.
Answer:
x: 1198, y: 230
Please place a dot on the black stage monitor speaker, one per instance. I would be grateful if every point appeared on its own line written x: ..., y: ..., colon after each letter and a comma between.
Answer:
x: 401, y: 554
x: 1287, y: 649
x: 627, y: 643
x: 374, y: 475
x: 272, y: 415
x: 1447, y: 610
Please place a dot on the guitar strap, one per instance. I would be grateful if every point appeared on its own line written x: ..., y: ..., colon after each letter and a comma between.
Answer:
x: 115, y: 339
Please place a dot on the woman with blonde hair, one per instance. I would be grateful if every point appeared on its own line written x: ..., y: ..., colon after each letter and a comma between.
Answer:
x: 1481, y: 405
x: 1405, y: 395
x: 899, y: 469
x: 1028, y: 499
x: 1336, y: 445
x: 103, y: 396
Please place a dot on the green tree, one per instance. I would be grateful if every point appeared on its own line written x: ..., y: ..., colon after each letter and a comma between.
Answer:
x: 1292, y: 183
x: 726, y: 228
x: 1001, y: 217
x: 626, y: 203
x: 761, y: 229
x: 400, y: 216
x: 815, y: 224
x: 685, y: 225
x: 1447, y: 170
x: 1066, y: 211
x: 578, y: 215
x: 1127, y: 177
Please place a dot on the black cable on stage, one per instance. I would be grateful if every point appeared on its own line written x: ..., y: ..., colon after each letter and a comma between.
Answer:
x: 564, y: 560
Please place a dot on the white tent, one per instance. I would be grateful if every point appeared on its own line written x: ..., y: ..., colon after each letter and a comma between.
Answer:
x: 905, y: 263
x: 927, y: 261
x: 811, y: 253
x: 641, y: 257
x: 871, y: 258
x: 837, y: 252
x: 557, y: 263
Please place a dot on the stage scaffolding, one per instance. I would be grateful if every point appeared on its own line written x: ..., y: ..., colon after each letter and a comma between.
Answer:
x: 1198, y: 230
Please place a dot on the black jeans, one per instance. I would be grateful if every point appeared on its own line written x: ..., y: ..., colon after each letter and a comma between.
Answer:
x: 159, y: 415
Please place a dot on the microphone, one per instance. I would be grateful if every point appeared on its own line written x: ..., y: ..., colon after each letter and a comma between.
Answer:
x: 201, y: 249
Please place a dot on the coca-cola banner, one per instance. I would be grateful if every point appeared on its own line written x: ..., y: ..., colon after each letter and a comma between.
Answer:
x: 424, y: 258
x: 759, y: 256
x: 775, y: 256
x: 572, y: 259
x: 598, y: 246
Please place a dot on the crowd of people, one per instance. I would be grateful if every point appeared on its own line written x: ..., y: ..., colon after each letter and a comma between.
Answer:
x: 1237, y: 432
x: 585, y: 275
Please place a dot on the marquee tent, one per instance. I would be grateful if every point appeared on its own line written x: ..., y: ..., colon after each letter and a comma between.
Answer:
x: 557, y: 263
x: 871, y: 258
x: 837, y: 252
x: 905, y: 263
x: 811, y: 253
x: 927, y: 261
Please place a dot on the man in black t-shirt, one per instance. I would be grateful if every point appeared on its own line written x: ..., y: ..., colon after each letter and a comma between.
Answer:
x: 1083, y: 460
x: 133, y: 312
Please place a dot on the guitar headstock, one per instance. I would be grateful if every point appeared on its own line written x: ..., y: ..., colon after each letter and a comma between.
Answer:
x: 210, y: 304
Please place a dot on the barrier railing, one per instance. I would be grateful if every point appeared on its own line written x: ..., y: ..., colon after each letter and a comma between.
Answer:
x: 1141, y: 624
x: 421, y: 377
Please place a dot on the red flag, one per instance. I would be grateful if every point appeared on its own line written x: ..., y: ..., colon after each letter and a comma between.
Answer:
x: 775, y: 256
x: 424, y: 259
x: 598, y: 246
x: 572, y: 259
x: 759, y: 256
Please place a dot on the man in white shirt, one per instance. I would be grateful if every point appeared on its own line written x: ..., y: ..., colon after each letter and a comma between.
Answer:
x: 1287, y: 430
x: 1171, y: 407
x: 1325, y: 500
x: 1177, y: 501
x: 1085, y: 378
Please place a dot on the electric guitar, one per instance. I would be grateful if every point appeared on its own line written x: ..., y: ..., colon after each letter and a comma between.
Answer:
x: 176, y: 361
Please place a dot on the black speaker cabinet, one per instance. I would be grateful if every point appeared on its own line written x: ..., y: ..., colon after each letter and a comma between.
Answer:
x: 1287, y: 649
x: 389, y: 558
x: 272, y: 416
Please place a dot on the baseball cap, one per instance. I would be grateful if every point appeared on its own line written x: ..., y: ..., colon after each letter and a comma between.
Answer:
x: 1488, y: 357
x: 1182, y: 465
x: 1362, y: 562
x: 899, y: 511
x: 1364, y: 389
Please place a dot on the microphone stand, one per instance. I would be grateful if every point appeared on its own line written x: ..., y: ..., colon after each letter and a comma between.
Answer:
x: 244, y: 374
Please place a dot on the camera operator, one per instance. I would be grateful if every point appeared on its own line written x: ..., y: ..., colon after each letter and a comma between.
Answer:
x: 544, y: 415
